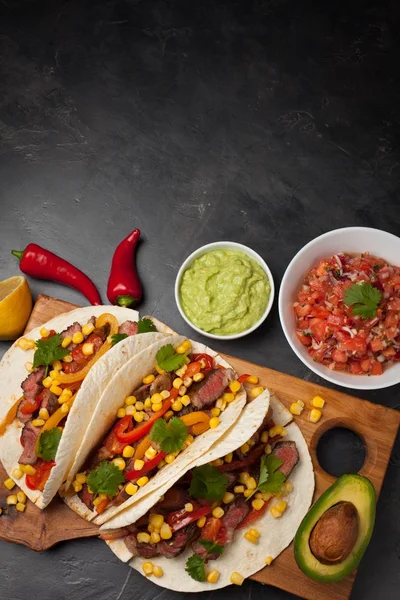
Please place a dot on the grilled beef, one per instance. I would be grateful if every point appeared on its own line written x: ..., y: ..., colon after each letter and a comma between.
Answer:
x: 86, y: 496
x: 102, y: 331
x: 120, y: 498
x: 101, y: 454
x: 29, y: 437
x: 174, y: 499
x: 128, y: 327
x: 142, y: 393
x: 31, y: 386
x: 69, y: 332
x: 179, y: 541
x: 140, y: 548
x: 289, y: 455
x: 160, y: 383
x: 204, y: 393
x: 50, y: 401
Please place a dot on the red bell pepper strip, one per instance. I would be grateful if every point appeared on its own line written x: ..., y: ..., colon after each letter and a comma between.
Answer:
x: 250, y: 459
x: 149, y: 465
x: 128, y: 437
x: 209, y: 360
x: 37, y: 481
x: 42, y: 264
x: 28, y: 407
x: 243, y: 377
x: 180, y: 518
x: 254, y: 515
x: 124, y: 287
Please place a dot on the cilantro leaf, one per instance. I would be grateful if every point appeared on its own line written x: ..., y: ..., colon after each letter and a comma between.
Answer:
x: 169, y: 436
x: 146, y: 326
x: 48, y: 444
x: 117, y: 337
x: 168, y: 359
x: 212, y: 547
x: 363, y: 298
x: 271, y: 479
x: 195, y: 566
x: 106, y: 479
x: 208, y: 483
x: 49, y: 350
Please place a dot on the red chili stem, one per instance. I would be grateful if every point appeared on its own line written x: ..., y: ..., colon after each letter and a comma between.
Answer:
x: 124, y: 287
x: 40, y: 263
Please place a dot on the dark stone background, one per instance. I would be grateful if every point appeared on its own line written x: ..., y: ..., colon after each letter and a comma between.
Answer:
x: 267, y: 122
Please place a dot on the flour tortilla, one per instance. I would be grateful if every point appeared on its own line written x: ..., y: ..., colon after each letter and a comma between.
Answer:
x: 13, y: 373
x: 129, y: 377
x: 240, y: 556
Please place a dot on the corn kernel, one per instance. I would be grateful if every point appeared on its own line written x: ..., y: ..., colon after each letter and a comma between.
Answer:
x: 239, y: 489
x: 213, y: 576
x: 77, y: 338
x: 165, y: 532
x: 121, y: 413
x: 189, y: 440
x: 252, y: 379
x: 63, y: 398
x: 138, y: 416
x: 142, y: 481
x: 228, y: 397
x: 150, y: 453
x: 187, y: 382
x: 88, y: 329
x: 180, y: 349
x: 214, y: 422
x: 185, y: 400
x: 157, y: 571
x: 257, y: 504
x: 138, y: 464
x: 180, y: 372
x: 9, y: 483
x: 68, y: 358
x: 47, y: 382
x: 130, y: 410
x: 64, y: 408
x: 119, y: 462
x: 198, y: 377
x: 295, y: 408
x: 148, y: 379
x: 264, y: 437
x: 266, y: 496
x: 139, y: 405
x: 88, y: 349
x: 318, y: 402
x: 44, y: 332
x: 168, y: 414
x: 218, y: 512
x: 156, y: 520
x: 201, y: 522
x: 182, y: 390
x: 77, y: 486
x: 12, y: 499
x: 228, y: 458
x: 275, y: 513
x: 176, y: 406
x: 156, y: 406
x: 315, y: 415
x: 243, y: 477
x: 37, y: 422
x: 25, y: 344
x: 217, y: 462
x: 245, y: 448
x: 236, y: 578
x: 55, y: 389
x: 288, y: 485
x: 276, y: 430
x: 215, y: 412
x: 27, y: 469
x: 189, y: 507
x: 131, y: 489
x: 268, y: 449
x: 234, y: 386
x: 250, y: 538
x: 254, y: 532
x: 20, y: 506
x: 147, y: 567
x: 251, y: 483
x: 143, y: 537
x: 81, y: 478
x: 169, y: 459
x: 281, y: 506
x: 165, y: 394
x: 247, y: 493
x: 159, y: 370
x: 44, y: 414
x: 177, y: 383
x: 147, y: 403
x: 66, y: 341
x: 268, y: 560
x: 256, y: 391
x: 228, y: 498
x: 29, y: 367
x: 17, y: 473
x: 155, y: 537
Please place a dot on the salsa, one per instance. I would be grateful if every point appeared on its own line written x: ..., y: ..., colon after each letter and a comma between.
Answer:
x: 348, y: 313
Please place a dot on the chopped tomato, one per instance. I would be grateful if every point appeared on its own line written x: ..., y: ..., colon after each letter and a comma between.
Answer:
x: 193, y: 368
x: 377, y: 368
x: 376, y: 345
x: 28, y: 407
x: 355, y: 344
x: 319, y: 329
x: 306, y: 340
x: 209, y: 360
x: 339, y: 356
x: 211, y: 529
x: 254, y: 515
x: 37, y: 481
x: 180, y: 518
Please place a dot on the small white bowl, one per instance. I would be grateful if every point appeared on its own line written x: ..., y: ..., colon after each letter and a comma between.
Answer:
x: 224, y: 246
x: 349, y: 239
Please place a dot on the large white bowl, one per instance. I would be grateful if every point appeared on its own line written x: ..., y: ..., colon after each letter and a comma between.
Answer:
x: 224, y: 246
x: 349, y: 239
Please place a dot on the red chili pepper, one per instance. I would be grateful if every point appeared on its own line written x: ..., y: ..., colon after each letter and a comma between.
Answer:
x: 42, y: 264
x: 207, y: 359
x: 128, y: 437
x: 180, y: 518
x: 124, y: 287
x: 148, y: 466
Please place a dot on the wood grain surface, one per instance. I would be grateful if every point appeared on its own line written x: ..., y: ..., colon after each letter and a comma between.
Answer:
x: 376, y: 424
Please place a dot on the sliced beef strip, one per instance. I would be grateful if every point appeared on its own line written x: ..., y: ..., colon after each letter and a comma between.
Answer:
x: 140, y: 548
x: 101, y: 454
x: 86, y: 496
x: 121, y: 497
x: 174, y: 499
x: 102, y: 331
x: 50, y: 401
x: 160, y: 383
x: 128, y: 327
x: 287, y: 452
x: 31, y: 386
x: 29, y: 437
x: 179, y: 541
x: 204, y: 393
x: 69, y: 332
x: 141, y: 393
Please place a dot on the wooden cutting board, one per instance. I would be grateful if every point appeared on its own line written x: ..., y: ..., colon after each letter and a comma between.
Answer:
x: 376, y: 424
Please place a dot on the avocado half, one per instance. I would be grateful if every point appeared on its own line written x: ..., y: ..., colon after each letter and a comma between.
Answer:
x: 348, y: 492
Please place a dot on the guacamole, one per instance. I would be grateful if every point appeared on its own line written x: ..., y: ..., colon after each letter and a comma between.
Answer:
x: 224, y: 292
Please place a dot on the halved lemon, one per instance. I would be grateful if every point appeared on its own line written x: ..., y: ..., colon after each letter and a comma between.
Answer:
x: 15, y: 307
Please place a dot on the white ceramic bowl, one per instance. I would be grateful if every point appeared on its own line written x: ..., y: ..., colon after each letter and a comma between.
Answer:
x: 224, y: 246
x: 349, y: 239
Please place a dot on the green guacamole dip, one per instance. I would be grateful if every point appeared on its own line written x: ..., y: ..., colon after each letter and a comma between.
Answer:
x: 224, y: 292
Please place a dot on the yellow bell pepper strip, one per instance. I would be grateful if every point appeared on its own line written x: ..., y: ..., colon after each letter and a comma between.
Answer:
x: 199, y: 420
x: 55, y: 419
x: 10, y: 416
x: 142, y: 447
x: 79, y: 375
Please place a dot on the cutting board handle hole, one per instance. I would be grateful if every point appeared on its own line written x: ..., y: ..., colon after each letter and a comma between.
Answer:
x: 341, y: 450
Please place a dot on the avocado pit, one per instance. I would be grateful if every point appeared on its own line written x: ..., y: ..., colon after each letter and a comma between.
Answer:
x: 335, y: 534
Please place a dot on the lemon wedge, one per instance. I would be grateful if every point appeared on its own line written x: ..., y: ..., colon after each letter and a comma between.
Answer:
x: 15, y: 307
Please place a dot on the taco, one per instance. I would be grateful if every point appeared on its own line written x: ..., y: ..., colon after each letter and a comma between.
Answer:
x: 225, y: 518
x: 163, y: 409
x: 44, y: 414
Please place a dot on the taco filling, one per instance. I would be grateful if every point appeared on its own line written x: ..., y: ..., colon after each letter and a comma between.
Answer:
x: 207, y: 507
x: 60, y: 364
x: 180, y: 399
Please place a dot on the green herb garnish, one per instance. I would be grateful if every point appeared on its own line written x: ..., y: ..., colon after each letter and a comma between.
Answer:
x: 168, y: 359
x: 208, y: 483
x: 169, y: 436
x: 106, y: 479
x: 118, y: 337
x: 271, y: 479
x: 363, y: 298
x: 49, y: 350
x: 146, y: 326
x: 196, y: 566
x: 48, y: 444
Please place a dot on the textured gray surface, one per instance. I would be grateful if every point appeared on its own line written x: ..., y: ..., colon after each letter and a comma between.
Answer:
x: 264, y: 122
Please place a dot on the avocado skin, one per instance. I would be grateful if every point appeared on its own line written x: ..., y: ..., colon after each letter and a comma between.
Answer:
x: 352, y: 488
